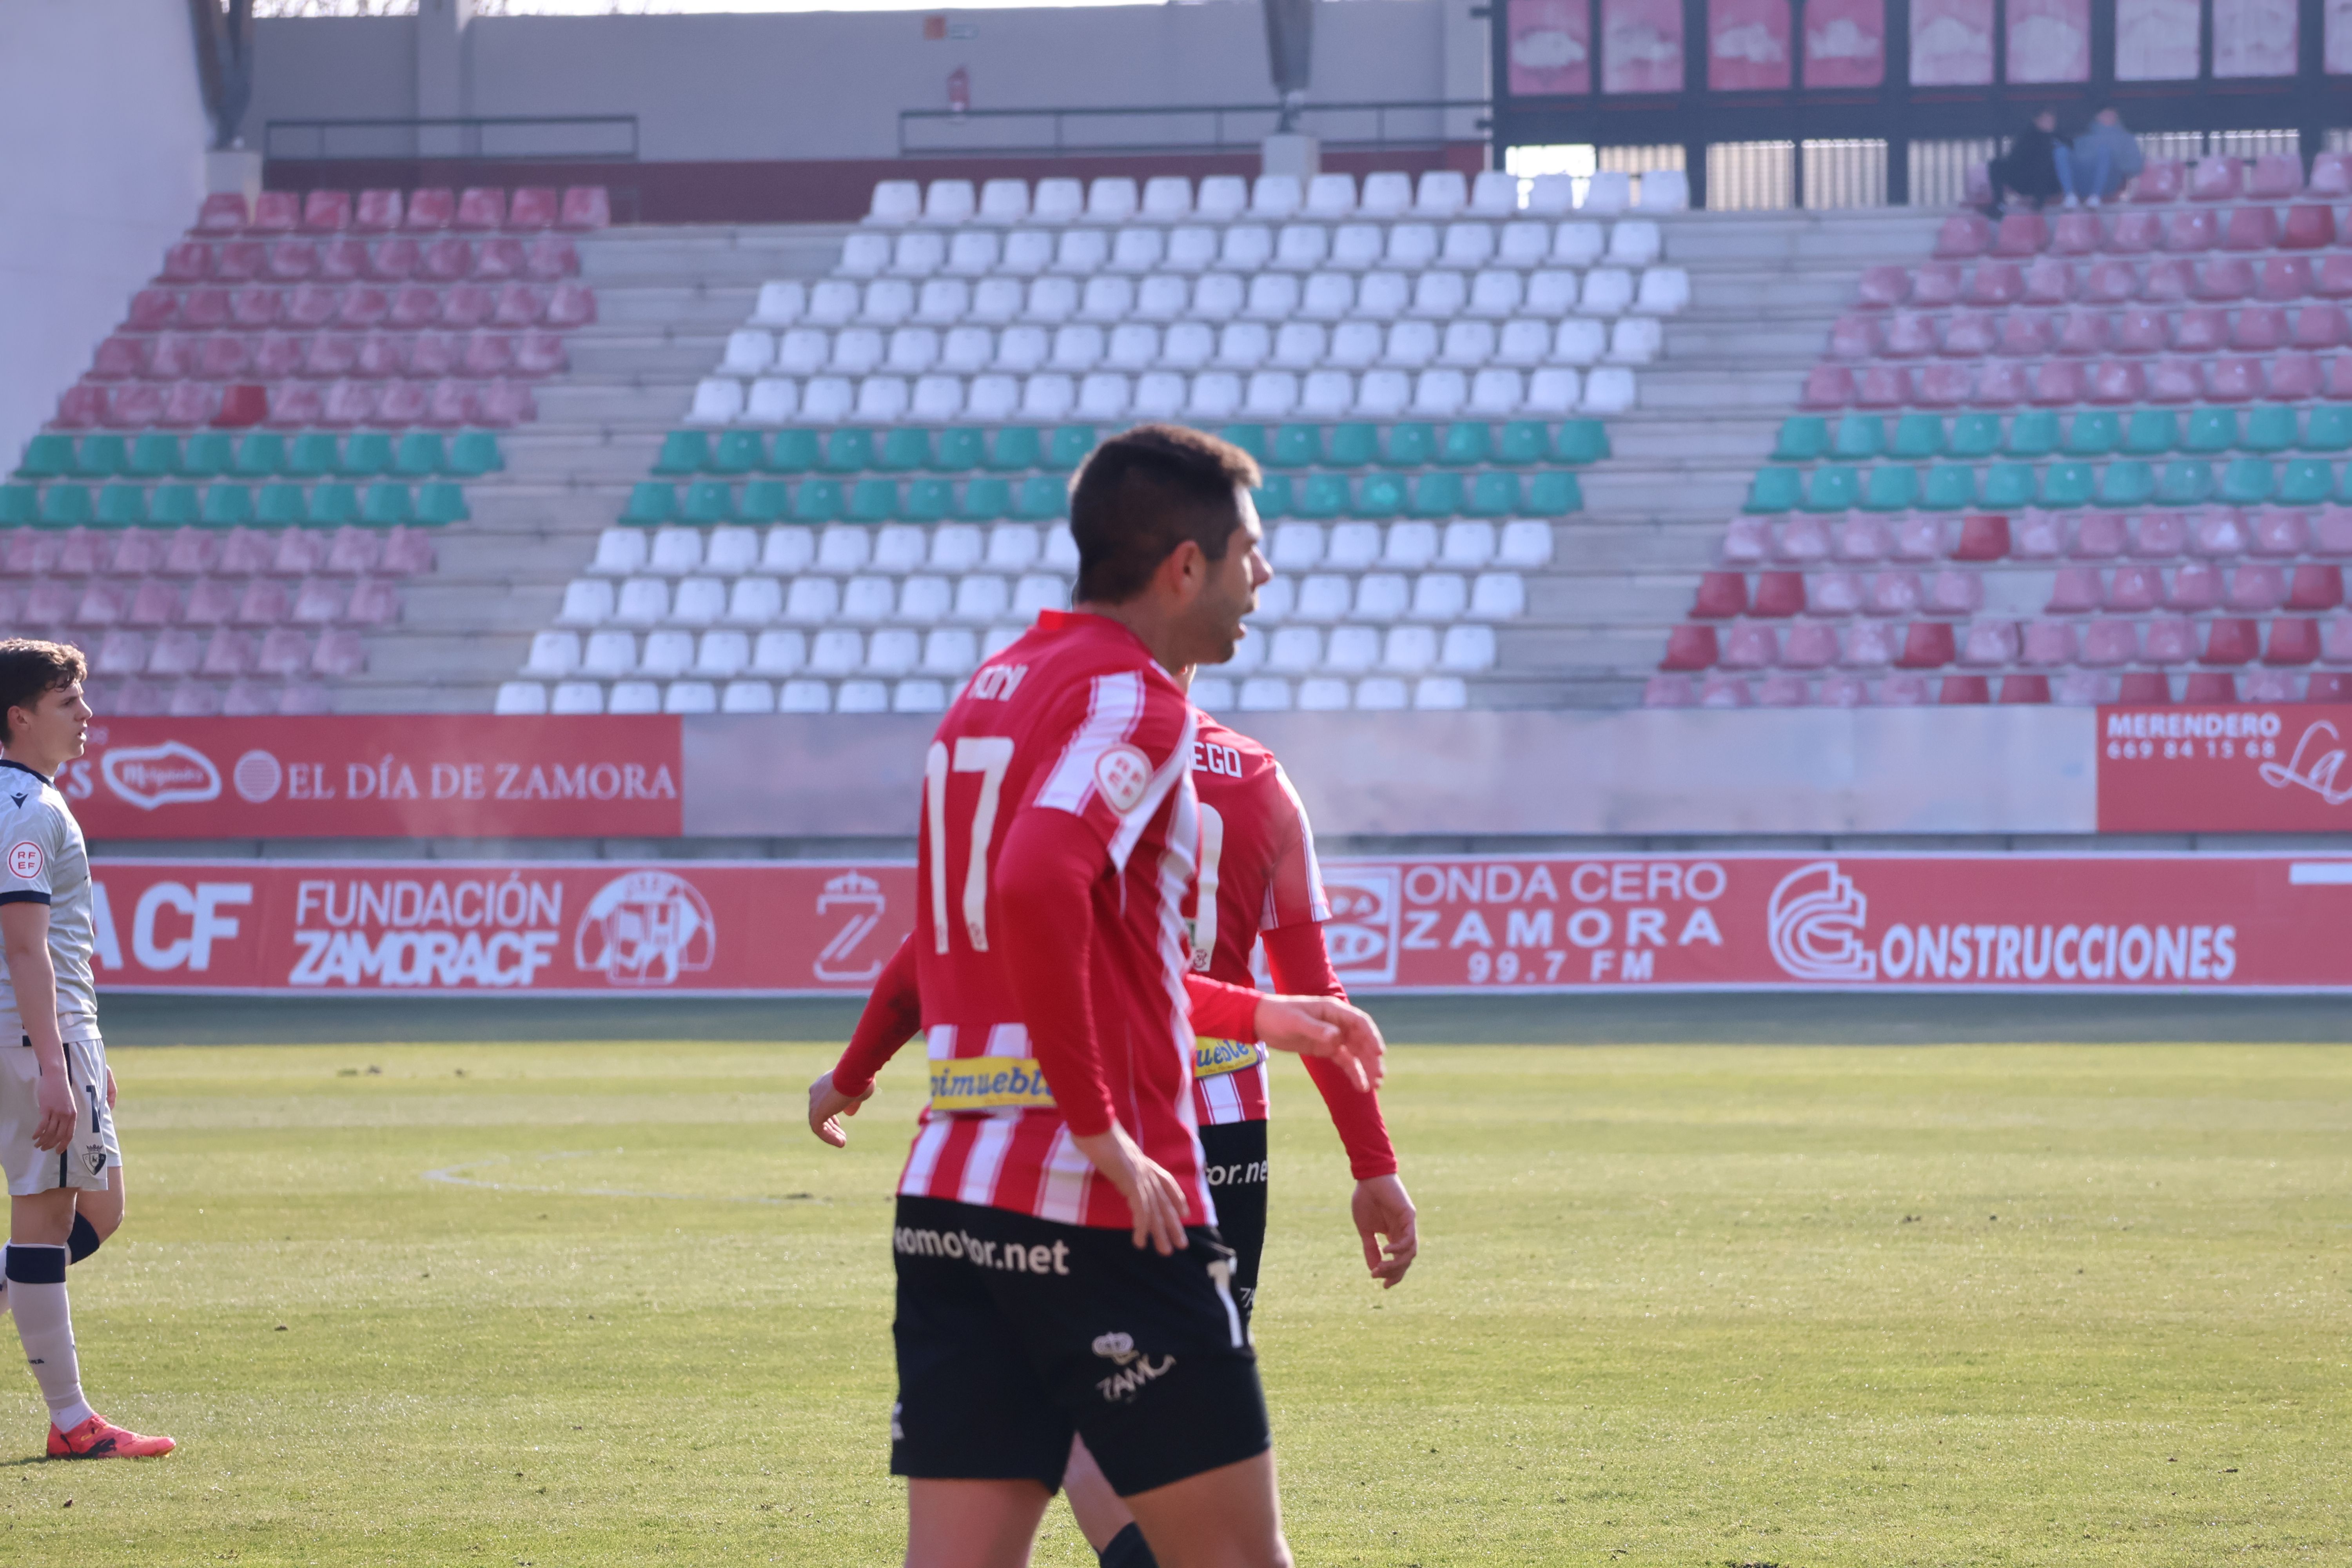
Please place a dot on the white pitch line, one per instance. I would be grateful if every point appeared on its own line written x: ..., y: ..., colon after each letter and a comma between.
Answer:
x: 448, y: 1173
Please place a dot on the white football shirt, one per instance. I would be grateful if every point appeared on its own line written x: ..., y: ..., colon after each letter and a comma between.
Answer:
x: 44, y: 860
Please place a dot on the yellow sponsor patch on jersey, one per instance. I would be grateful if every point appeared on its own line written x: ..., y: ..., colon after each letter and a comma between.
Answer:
x: 987, y: 1083
x: 1211, y: 1058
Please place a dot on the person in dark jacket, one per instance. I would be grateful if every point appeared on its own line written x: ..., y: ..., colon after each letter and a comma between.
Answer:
x: 2030, y: 169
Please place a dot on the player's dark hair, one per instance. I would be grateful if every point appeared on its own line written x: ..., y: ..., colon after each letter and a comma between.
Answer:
x: 1141, y: 494
x: 30, y: 669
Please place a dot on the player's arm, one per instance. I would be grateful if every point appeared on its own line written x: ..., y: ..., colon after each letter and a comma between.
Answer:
x: 893, y: 1015
x: 25, y: 938
x: 1326, y: 1028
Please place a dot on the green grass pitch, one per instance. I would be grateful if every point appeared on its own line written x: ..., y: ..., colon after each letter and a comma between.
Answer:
x: 1675, y: 1306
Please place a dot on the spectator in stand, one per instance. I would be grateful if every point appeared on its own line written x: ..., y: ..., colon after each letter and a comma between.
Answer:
x: 2099, y: 161
x: 2030, y: 169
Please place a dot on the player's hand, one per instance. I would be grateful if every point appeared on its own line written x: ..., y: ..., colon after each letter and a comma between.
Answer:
x: 1152, y: 1195
x: 1326, y: 1026
x: 109, y: 1088
x: 1382, y: 1209
x: 828, y: 1105
x: 61, y: 1111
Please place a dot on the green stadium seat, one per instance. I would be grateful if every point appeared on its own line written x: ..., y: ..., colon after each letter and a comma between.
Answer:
x: 1296, y: 446
x: 1776, y: 489
x: 1524, y: 443
x: 2008, y: 484
x: 848, y: 451
x: 1891, y: 489
x: 174, y: 506
x: 207, y: 455
x: 1273, y: 497
x: 154, y: 455
x: 2151, y: 432
x: 817, y: 501
x: 332, y: 505
x: 122, y: 506
x: 386, y: 504
x: 2032, y: 432
x: 928, y: 501
x: 2184, y: 482
x: 103, y: 456
x: 1580, y: 441
x: 48, y: 456
x: 2069, y: 483
x: 2126, y: 481
x: 1918, y: 436
x: 2305, y: 482
x: 683, y: 453
x: 1042, y: 498
x: 440, y: 502
x: 1250, y: 438
x: 874, y: 500
x: 1436, y: 496
x: 1974, y: 436
x: 1835, y: 488
x: 984, y: 499
x: 65, y: 505
x: 1950, y: 486
x: 1015, y: 449
x: 2245, y: 481
x: 1554, y: 493
x: 798, y: 451
x: 740, y: 452
x: 1352, y: 445
x: 2269, y: 428
x: 1860, y: 437
x: 957, y: 452
x: 650, y: 501
x: 1805, y: 439
x: 1379, y: 496
x: 1069, y: 445
x: 366, y: 453
x: 903, y: 449
x: 226, y: 506
x: 764, y: 500
x: 312, y: 456
x: 1411, y: 444
x: 2093, y: 433
x: 1325, y: 495
x: 421, y: 455
x: 278, y: 505
x: 1494, y: 493
x: 2328, y: 429
x: 708, y: 501
x: 473, y: 453
x: 20, y: 506
x: 1466, y: 444
x: 2211, y: 430
x: 261, y: 454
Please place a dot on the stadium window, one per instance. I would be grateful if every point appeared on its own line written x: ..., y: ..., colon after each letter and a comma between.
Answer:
x: 1577, y: 160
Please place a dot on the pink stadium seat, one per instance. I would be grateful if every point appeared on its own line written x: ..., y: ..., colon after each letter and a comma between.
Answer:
x: 246, y: 551
x: 1668, y: 691
x: 533, y: 207
x: 1869, y: 645
x: 1884, y: 387
x: 2256, y: 588
x: 1893, y: 593
x: 1689, y: 647
x: 2200, y: 330
x: 276, y: 211
x: 354, y: 551
x: 2140, y: 329
x: 2168, y: 281
x: 1811, y: 646
x: 1750, y: 646
x: 2024, y: 334
x: 432, y: 355
x: 154, y: 603
x: 2082, y: 333
x: 118, y: 359
x: 519, y: 305
x: 2099, y: 536
x: 2038, y: 535
x: 350, y: 403
x: 2220, y: 533
x: 2196, y: 586
x: 1999, y: 384
x: 243, y: 404
x: 2331, y: 532
x: 2293, y: 641
x: 1830, y: 594
x: 1781, y: 690
x: 550, y: 256
x: 448, y: 403
x: 2190, y: 230
x: 2076, y: 589
x: 482, y: 208
x: 1724, y: 692
x: 295, y: 404
x: 2278, y: 533
x: 2047, y: 643
x: 382, y: 354
x: 284, y: 651
x: 2339, y: 376
x: 361, y: 305
x: 2284, y: 277
x: 571, y: 305
x: 2132, y: 234
x: 79, y: 408
x: 2110, y: 283
x: 339, y: 651
x: 262, y: 603
x: 1926, y: 645
x: 226, y: 652
x: 2057, y: 383
x: 2075, y: 233
x: 499, y: 259
x: 2134, y: 588
x: 2336, y: 639
x: 1963, y: 233
x: 1852, y: 337
x: 311, y: 304
x: 2308, y: 227
x: 1955, y: 593
x: 1721, y: 596
x: 506, y: 403
x: 2159, y: 536
x: 2230, y: 640
x: 2214, y: 179
x: 1828, y: 386
x: 1983, y: 537
x: 2292, y: 377
x: 1967, y: 335
x: 2174, y: 380
x: 1908, y: 334
x: 223, y: 212
x: 239, y: 260
x: 2316, y: 586
x: 2250, y: 228
x: 1955, y: 691
x: 2169, y: 639
x: 2205, y: 686
x: 203, y: 310
x: 1936, y: 285
x: 394, y: 259
x: 2115, y: 382
x: 2274, y: 177
x: 2258, y: 328
x: 326, y: 212
x: 1918, y: 536
x: 134, y: 407
x: 1996, y: 283
x: 2225, y: 278
x: 2020, y: 690
x: 329, y: 356
x: 188, y: 403
x: 1943, y: 385
x: 223, y: 356
x: 378, y: 212
x: 2331, y: 174
x: 320, y: 601
x: 540, y: 354
x: 407, y: 552
x: 585, y: 207
x: 2159, y: 180
x: 2235, y: 379
x: 277, y: 354
x: 1779, y: 595
x: 1884, y: 286
x: 2144, y: 687
x: 1900, y: 692
x: 2021, y: 234
x: 466, y: 305
x: 189, y: 261
x: 413, y: 305
x: 152, y: 309
x: 342, y: 258
x: 404, y: 403
x: 1746, y: 540
x: 2328, y: 686
x: 487, y: 355
x: 446, y: 258
x: 2049, y: 281
x: 430, y: 209
x: 295, y: 552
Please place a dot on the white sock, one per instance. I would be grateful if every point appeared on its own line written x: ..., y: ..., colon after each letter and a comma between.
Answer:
x: 45, y: 1324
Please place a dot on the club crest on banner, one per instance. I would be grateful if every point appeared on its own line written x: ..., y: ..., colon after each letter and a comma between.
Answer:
x: 645, y: 929
x: 1814, y: 924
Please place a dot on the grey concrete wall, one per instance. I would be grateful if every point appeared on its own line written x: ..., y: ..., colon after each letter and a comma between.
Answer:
x: 99, y: 109
x: 829, y: 85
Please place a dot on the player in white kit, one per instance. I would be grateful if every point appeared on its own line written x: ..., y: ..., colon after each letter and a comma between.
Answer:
x: 57, y: 1095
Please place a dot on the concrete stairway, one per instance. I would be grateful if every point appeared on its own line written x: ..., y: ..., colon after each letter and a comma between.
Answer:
x: 1765, y: 287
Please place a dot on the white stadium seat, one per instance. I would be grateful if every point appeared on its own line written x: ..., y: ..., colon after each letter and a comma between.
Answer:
x: 1468, y: 343
x: 1265, y: 694
x: 666, y: 654
x: 1468, y: 544
x: 1410, y: 344
x: 1027, y: 253
x: 804, y: 697
x: 863, y: 256
x: 1158, y: 395
x: 967, y: 351
x: 755, y: 601
x: 1294, y: 546
x: 1498, y: 595
x: 1524, y: 543
x: 1077, y: 347
x: 1301, y: 247
x: 1323, y: 597
x: 1607, y: 291
x: 586, y: 603
x: 643, y: 602
x: 943, y: 301
x: 699, y: 602
x: 980, y: 598
x: 1356, y: 246
x: 844, y: 547
x: 895, y: 202
x: 868, y: 600
x: 1273, y: 297
x: 912, y: 350
x: 1275, y: 196
x: 950, y: 651
x: 801, y: 351
x: 747, y: 697
x: 996, y: 301
x: 949, y: 202
x: 1327, y: 296
x: 1523, y: 343
x: 899, y: 548
x: 1273, y: 606
x: 1004, y: 201
x: 1548, y: 195
x: 1223, y: 198
x: 1048, y: 398
x: 1133, y: 345
x: 519, y: 698
x: 1578, y: 341
x: 1138, y: 249
x: 1387, y: 195
x: 1213, y: 693
x: 1635, y: 340
x: 1111, y: 199
x: 856, y: 350
x: 1051, y: 301
x: 1578, y: 244
x: 1383, y: 393
x: 1103, y: 398
x: 675, y: 552
x: 1468, y: 246
x: 1328, y: 394
x: 1187, y: 345
x: 1215, y: 395
x: 894, y: 650
x: 1012, y: 548
x: 1192, y: 249
x: 1246, y: 247
x: 1665, y: 191
x: 1270, y: 394
x: 1409, y: 650
x: 1038, y: 591
x: 1440, y: 394
x: 1059, y: 200
x: 1299, y: 345
x: 1609, y: 389
x: 973, y: 252
x: 779, y: 652
x: 1411, y: 246
x: 1322, y: 695
x: 1162, y: 297
x: 1524, y: 244
x: 1243, y: 345
x: 1410, y: 546
x: 1554, y: 390
x: 1167, y: 198
x: 1497, y: 391
x: 1633, y: 242
x: 888, y: 301
x: 1442, y: 194
x: 1295, y: 650
x: 610, y: 653
x: 812, y: 600
x: 1440, y: 295
x: 1439, y: 692
x: 937, y: 398
x: 1217, y: 297
x: 882, y: 399
x: 775, y: 400
x: 1663, y: 291
x: 717, y: 401
x: 1352, y: 650
x: 1020, y: 350
x: 577, y: 696
x: 1353, y: 546
x: 956, y: 548
x: 1495, y: 193
x: 1383, y: 296
x: 837, y: 651
x: 1439, y: 596
x: 1330, y: 196
x: 1496, y: 294
x: 1082, y: 252
x: 1380, y: 694
x: 780, y: 303
x: 833, y: 302
x: 553, y: 654
x: 1607, y: 193
x: 827, y: 400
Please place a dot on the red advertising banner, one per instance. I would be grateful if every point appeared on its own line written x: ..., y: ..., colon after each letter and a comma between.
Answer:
x: 1842, y: 922
x: 2241, y: 768
x: 1746, y: 43
x: 1845, y: 43
x: 409, y: 775
x: 1551, y: 47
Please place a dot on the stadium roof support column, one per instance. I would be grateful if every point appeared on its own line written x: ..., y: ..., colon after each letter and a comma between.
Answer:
x: 442, y: 88
x: 1290, y: 61
x: 1467, y: 49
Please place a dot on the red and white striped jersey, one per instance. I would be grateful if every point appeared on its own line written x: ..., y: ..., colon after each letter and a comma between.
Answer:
x: 1258, y: 873
x: 1074, y: 718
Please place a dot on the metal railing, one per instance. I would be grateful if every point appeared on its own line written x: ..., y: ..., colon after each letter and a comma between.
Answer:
x: 1184, y: 128
x: 514, y: 138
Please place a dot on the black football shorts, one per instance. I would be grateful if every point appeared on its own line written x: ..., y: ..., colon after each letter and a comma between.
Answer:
x: 1233, y: 1155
